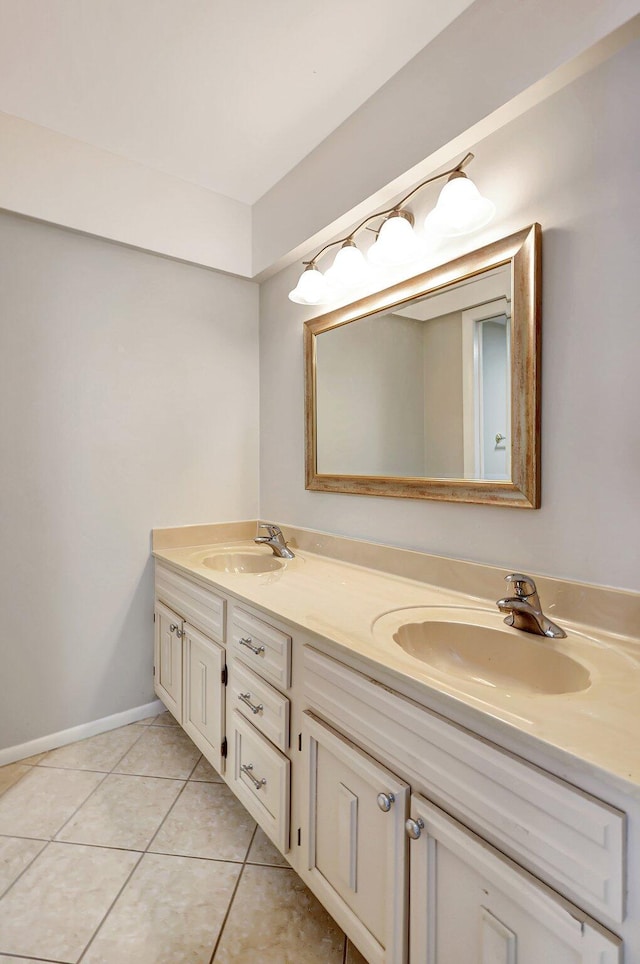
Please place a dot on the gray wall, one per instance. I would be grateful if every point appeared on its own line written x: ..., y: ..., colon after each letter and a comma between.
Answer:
x: 128, y: 400
x: 570, y: 163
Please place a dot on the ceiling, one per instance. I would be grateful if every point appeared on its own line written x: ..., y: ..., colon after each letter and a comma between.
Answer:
x: 230, y: 96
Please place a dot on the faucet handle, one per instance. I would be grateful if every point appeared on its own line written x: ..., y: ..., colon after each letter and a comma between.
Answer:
x: 271, y: 528
x: 523, y: 586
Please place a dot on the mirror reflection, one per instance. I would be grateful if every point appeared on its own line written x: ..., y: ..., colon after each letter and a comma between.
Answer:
x: 422, y: 390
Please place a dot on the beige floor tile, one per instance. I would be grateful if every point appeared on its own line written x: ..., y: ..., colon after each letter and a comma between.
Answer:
x: 4, y: 959
x: 207, y: 821
x: 43, y: 800
x: 55, y: 907
x: 170, y: 912
x: 164, y: 719
x: 287, y: 925
x: 264, y: 852
x: 125, y: 811
x: 100, y: 752
x: 353, y: 955
x: 161, y: 751
x: 16, y: 854
x: 10, y: 774
x: 205, y: 773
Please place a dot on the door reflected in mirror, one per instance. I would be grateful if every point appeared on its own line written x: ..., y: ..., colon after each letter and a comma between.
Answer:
x: 420, y: 391
x: 431, y: 389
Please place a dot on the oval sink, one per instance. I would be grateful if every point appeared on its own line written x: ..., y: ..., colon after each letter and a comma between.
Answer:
x: 476, y: 646
x: 239, y: 562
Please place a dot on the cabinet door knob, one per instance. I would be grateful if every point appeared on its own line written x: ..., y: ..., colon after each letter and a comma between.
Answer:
x: 174, y: 628
x: 385, y: 800
x: 413, y: 828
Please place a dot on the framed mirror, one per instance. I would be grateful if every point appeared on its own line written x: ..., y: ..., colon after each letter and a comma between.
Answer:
x: 431, y: 388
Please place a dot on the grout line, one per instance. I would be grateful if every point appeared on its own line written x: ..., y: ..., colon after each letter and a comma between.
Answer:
x: 24, y: 869
x: 226, y: 916
x: 29, y: 766
x: 61, y: 828
x: 162, y: 822
x: 233, y: 897
x: 96, y: 846
x: 45, y: 766
x: 111, y: 906
x: 22, y: 836
x: 43, y: 763
x: 128, y: 750
x: 119, y: 773
x: 119, y: 759
x: 22, y: 957
x: 213, y: 860
x: 135, y: 867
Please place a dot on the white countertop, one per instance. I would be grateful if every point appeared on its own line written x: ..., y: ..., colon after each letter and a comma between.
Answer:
x: 340, y: 602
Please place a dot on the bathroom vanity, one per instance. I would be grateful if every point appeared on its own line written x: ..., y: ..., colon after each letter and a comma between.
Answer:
x: 444, y: 810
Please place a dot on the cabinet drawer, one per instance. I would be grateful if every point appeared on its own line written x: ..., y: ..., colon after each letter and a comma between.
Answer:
x: 259, y: 703
x: 261, y: 646
x: 260, y: 777
x: 564, y: 836
x: 200, y: 607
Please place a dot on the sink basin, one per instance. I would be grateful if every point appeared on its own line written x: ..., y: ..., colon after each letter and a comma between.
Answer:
x: 476, y: 646
x: 239, y: 562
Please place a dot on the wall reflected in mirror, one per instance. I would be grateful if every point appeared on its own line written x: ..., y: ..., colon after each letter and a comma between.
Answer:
x: 422, y: 390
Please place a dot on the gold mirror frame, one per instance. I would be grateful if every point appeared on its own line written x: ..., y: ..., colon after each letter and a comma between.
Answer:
x: 523, y: 251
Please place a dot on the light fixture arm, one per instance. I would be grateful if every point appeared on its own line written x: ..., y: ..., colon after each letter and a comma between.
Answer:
x: 396, y: 207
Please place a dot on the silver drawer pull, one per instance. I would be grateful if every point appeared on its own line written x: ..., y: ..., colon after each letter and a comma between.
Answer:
x: 413, y: 828
x: 385, y: 801
x: 247, y: 641
x: 174, y: 628
x: 247, y: 768
x: 246, y: 698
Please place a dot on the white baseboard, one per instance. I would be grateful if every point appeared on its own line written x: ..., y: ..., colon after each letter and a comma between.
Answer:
x: 43, y: 743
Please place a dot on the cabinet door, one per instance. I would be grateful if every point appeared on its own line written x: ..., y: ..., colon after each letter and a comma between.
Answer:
x: 357, y: 845
x: 471, y: 903
x: 168, y: 659
x: 203, y: 696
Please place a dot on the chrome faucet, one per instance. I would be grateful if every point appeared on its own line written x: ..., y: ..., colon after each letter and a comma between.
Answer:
x: 525, y: 610
x: 275, y: 539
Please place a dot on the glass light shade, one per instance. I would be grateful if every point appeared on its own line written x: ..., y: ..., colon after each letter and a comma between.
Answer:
x: 349, y: 269
x: 311, y: 289
x: 397, y: 243
x: 461, y: 209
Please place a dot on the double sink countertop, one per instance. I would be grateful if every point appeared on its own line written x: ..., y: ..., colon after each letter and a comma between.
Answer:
x: 354, y: 609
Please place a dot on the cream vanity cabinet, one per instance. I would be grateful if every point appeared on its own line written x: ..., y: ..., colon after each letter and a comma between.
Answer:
x: 427, y: 844
x: 189, y: 665
x: 392, y: 792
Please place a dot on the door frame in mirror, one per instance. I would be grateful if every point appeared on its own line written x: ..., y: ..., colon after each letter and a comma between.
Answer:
x: 523, y: 250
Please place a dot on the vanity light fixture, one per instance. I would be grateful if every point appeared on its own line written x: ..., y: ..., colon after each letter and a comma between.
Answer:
x: 397, y: 242
x: 460, y: 210
x: 350, y: 268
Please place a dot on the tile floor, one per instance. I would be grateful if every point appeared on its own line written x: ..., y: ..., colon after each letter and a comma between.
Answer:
x: 127, y: 848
